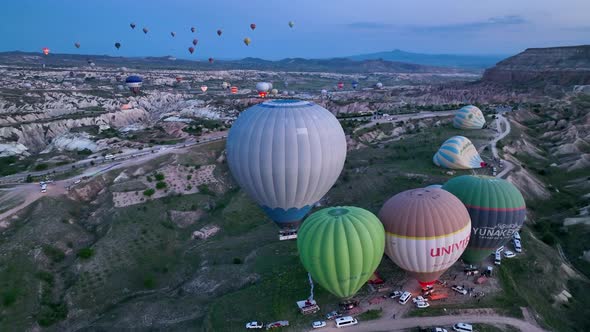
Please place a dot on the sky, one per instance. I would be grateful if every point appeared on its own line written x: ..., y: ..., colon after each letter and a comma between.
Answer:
x: 323, y: 28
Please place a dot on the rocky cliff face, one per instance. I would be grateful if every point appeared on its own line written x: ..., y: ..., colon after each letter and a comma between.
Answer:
x: 554, y: 65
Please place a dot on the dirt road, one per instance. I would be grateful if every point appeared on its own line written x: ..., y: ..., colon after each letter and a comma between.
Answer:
x: 389, y: 324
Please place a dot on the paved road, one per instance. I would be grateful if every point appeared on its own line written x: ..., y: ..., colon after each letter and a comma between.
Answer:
x: 405, y: 117
x: 128, y: 155
x: 389, y: 324
x: 508, y: 166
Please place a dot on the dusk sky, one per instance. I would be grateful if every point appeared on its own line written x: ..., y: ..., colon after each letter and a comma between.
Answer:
x: 323, y: 28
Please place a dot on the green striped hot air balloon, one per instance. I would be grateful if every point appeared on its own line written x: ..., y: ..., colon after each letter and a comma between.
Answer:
x: 497, y: 210
x: 341, y: 247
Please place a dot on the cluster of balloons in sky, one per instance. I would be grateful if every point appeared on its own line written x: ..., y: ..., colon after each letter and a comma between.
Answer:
x: 191, y: 49
x: 287, y: 154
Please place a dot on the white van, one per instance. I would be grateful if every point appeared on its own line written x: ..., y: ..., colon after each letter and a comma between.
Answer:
x: 517, y: 246
x: 346, y: 321
x: 406, y: 296
x: 463, y: 327
x: 498, y: 258
x: 516, y: 235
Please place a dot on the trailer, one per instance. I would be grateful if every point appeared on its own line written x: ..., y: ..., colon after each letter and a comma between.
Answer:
x: 308, y: 307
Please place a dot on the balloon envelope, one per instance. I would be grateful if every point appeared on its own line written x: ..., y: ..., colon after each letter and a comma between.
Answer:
x: 252, y: 26
x: 427, y: 230
x: 291, y: 24
x: 469, y: 117
x: 195, y: 42
x: 145, y: 30
x: 219, y: 32
x: 247, y: 41
x: 286, y: 154
x: 341, y: 247
x: 118, y: 45
x: 132, y: 25
x: 191, y: 50
x: 497, y: 210
x: 193, y: 29
x: 204, y: 88
x: 262, y: 87
x: 45, y: 50
x: 458, y: 153
x: 77, y: 44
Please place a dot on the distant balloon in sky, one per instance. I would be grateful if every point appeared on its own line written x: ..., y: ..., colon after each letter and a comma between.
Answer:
x: 45, y: 50
x: 225, y: 85
x: 355, y: 84
x: 193, y: 29
x: 291, y: 24
x: 211, y: 60
x: 340, y: 85
x: 341, y: 247
x: 191, y: 50
x: 173, y: 34
x: 379, y: 85
x: 247, y: 41
x: 178, y: 79
x: 458, y: 153
x: 134, y: 82
x: 426, y: 231
x: 132, y: 25
x: 145, y: 30
x: 252, y: 26
x: 77, y: 44
x: 234, y: 89
x: 195, y: 41
x: 204, y: 88
x: 118, y: 45
x: 277, y: 149
x: 219, y: 32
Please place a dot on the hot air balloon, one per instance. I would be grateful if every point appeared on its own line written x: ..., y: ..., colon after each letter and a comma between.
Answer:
x: 324, y: 92
x: 252, y: 26
x: 497, y: 210
x: 219, y: 32
x: 132, y: 25
x: 277, y: 149
x: 458, y: 153
x: 262, y: 88
x: 145, y: 30
x: 355, y: 84
x: 247, y: 41
x: 173, y: 34
x: 178, y: 79
x: 195, y: 42
x: 234, y: 89
x: 379, y: 85
x: 77, y: 45
x: 45, y: 50
x: 191, y: 50
x: 211, y: 60
x: 291, y: 24
x: 134, y: 82
x: 341, y: 247
x: 340, y: 85
x: 469, y: 117
x: 274, y: 92
x: 426, y: 231
x: 193, y: 29
x: 225, y: 85
x: 204, y: 88
x: 118, y: 45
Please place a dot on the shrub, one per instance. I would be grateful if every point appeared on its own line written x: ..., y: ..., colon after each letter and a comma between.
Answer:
x: 149, y: 179
x: 160, y: 185
x: 149, y: 192
x: 159, y: 176
x: 53, y: 253
x: 45, y: 276
x: 85, y: 253
x: 237, y: 260
x: 41, y: 167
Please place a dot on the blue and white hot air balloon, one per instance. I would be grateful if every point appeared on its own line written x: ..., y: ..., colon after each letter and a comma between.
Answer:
x: 469, y: 117
x: 286, y: 155
x: 458, y: 153
x: 134, y: 82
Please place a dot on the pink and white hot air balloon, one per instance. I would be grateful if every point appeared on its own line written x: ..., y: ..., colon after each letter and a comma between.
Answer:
x: 204, y: 88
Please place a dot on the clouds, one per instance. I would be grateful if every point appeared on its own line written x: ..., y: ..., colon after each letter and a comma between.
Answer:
x: 490, y: 23
x: 369, y: 25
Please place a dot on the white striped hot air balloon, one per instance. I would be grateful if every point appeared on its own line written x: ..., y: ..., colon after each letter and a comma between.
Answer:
x: 426, y: 231
x: 469, y: 117
x: 458, y: 153
x: 286, y: 154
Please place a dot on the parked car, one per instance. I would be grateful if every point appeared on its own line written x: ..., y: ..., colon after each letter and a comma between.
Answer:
x: 509, y: 254
x: 346, y: 321
x: 254, y: 325
x: 498, y: 258
x: 517, y: 246
x: 422, y: 305
x: 516, y: 236
x: 318, y: 324
x: 489, y: 271
x: 406, y: 296
x: 395, y: 294
x: 463, y: 327
x: 419, y: 299
x: 333, y: 315
x: 439, y: 329
x: 459, y: 289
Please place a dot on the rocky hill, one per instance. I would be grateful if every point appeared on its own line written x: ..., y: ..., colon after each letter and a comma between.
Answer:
x: 541, y: 66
